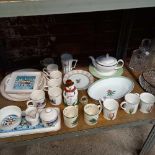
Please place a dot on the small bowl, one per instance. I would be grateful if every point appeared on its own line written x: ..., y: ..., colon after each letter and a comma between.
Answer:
x: 10, y: 117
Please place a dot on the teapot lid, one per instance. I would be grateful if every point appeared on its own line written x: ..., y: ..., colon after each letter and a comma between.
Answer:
x: 106, y: 61
x: 49, y: 114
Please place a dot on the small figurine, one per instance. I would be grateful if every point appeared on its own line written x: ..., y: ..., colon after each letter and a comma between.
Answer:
x: 70, y: 93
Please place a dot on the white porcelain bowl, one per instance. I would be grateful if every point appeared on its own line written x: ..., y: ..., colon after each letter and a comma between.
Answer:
x: 10, y: 117
x: 115, y: 88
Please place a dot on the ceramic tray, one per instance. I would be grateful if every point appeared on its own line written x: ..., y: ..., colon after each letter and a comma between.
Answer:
x: 115, y: 87
x: 18, y: 97
x: 100, y: 75
x: 25, y: 129
x: 82, y: 79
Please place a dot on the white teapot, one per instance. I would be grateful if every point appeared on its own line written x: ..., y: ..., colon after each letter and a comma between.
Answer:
x: 106, y: 63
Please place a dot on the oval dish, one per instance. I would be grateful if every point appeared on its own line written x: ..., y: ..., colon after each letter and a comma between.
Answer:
x: 115, y: 88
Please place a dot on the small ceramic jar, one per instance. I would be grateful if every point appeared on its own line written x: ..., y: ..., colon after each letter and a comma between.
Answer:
x: 48, y: 116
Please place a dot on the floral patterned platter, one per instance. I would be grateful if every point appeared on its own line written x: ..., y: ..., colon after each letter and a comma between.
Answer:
x: 114, y: 87
x: 82, y: 79
x: 24, y: 128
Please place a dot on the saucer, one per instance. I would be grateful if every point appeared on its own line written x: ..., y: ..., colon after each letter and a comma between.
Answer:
x: 102, y: 75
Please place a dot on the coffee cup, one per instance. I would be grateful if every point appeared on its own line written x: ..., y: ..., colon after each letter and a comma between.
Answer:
x: 52, y: 83
x: 50, y: 68
x: 91, y: 113
x: 55, y: 95
x: 110, y: 108
x: 32, y: 115
x: 70, y: 115
x: 37, y: 98
x: 130, y: 105
x: 147, y: 101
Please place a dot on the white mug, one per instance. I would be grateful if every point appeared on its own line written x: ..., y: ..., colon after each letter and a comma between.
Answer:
x: 32, y: 115
x: 37, y: 98
x: 55, y: 95
x: 50, y: 68
x: 130, y: 105
x: 52, y: 83
x: 70, y: 115
x: 91, y: 113
x: 147, y: 101
x: 54, y: 75
x: 68, y: 63
x: 110, y: 108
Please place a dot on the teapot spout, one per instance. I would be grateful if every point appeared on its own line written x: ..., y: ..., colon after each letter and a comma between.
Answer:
x: 93, y: 60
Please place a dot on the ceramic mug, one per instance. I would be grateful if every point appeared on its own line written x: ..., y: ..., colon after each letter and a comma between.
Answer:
x: 46, y: 61
x: 70, y: 115
x: 32, y: 115
x: 110, y: 108
x: 91, y: 113
x: 68, y: 63
x: 54, y: 75
x: 55, y: 95
x: 37, y: 98
x: 147, y: 101
x: 50, y: 68
x: 130, y: 105
x: 52, y: 83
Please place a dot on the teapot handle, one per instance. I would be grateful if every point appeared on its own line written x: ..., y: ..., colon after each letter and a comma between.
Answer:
x: 119, y: 66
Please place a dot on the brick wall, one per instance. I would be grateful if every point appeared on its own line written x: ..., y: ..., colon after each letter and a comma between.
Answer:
x: 27, y: 40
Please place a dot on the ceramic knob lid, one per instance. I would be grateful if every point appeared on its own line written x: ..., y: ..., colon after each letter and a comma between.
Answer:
x: 49, y: 114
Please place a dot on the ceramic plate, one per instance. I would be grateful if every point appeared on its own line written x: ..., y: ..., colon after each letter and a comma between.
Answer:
x: 82, y: 79
x: 115, y: 87
x: 18, y: 97
x: 101, y: 75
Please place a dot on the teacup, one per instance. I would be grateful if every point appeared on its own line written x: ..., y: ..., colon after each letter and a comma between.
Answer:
x: 52, y: 83
x: 32, y: 115
x: 147, y: 101
x: 70, y: 115
x: 37, y: 98
x: 91, y: 113
x: 50, y: 68
x: 46, y: 61
x: 10, y: 117
x: 54, y: 75
x: 110, y: 108
x: 55, y: 95
x: 130, y: 105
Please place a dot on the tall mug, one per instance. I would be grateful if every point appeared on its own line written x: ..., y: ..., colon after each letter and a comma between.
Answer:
x: 68, y: 63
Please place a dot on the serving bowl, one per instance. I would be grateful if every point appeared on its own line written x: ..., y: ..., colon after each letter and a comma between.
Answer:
x: 114, y: 87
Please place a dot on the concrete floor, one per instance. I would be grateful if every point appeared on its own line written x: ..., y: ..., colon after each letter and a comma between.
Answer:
x: 114, y: 142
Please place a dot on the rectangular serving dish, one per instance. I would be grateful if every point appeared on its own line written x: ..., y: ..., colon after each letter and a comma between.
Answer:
x: 23, y: 82
x: 25, y: 128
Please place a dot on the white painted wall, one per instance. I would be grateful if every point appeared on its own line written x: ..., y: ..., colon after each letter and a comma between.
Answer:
x: 42, y: 7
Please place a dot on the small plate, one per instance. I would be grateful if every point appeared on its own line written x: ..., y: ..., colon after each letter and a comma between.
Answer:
x: 115, y: 88
x: 82, y: 79
x: 23, y: 82
x: 102, y: 75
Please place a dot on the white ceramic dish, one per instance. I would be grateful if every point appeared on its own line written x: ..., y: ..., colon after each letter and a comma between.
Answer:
x: 23, y: 82
x: 82, y: 79
x: 18, y: 97
x: 24, y: 129
x: 115, y: 88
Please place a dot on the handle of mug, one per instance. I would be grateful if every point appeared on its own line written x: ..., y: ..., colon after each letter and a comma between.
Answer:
x: 123, y: 104
x: 74, y: 61
x: 121, y: 65
x: 100, y: 106
x: 137, y: 94
x: 46, y: 76
x: 45, y: 88
x: 30, y: 105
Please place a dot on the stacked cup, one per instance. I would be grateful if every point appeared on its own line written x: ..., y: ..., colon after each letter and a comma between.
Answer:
x: 54, y: 81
